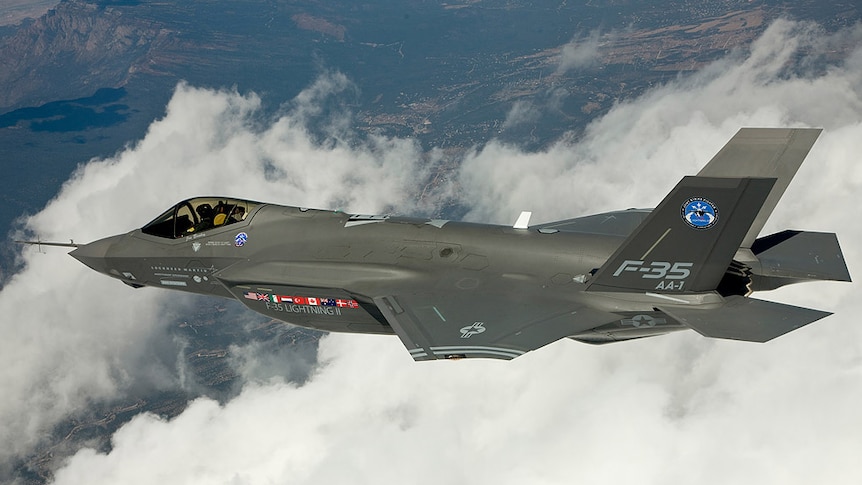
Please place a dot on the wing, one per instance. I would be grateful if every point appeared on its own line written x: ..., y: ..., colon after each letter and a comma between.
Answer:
x: 482, y: 324
x: 616, y: 223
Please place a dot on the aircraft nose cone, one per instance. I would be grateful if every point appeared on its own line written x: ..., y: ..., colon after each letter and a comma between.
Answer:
x: 95, y: 254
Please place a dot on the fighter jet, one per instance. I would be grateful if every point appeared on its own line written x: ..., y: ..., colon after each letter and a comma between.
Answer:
x: 451, y: 289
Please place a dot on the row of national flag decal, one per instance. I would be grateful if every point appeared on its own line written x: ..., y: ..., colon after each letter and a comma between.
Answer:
x: 301, y: 300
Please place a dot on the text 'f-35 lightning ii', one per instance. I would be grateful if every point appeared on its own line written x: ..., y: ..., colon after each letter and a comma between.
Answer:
x: 460, y: 290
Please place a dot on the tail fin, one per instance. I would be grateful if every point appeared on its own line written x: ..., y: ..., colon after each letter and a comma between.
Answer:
x: 687, y: 243
x: 763, y: 152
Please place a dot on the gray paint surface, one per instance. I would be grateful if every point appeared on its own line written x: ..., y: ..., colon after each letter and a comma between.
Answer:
x: 453, y: 290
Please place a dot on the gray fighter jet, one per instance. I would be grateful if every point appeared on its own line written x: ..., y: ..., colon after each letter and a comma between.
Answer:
x: 453, y: 289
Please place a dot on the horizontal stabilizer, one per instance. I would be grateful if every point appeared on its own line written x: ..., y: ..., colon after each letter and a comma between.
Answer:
x: 746, y: 319
x: 801, y: 256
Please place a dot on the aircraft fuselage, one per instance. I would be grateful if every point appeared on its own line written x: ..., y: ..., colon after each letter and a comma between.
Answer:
x: 455, y: 289
x: 315, y: 268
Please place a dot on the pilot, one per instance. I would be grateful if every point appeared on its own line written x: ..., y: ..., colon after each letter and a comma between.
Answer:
x: 205, y: 215
x: 237, y: 215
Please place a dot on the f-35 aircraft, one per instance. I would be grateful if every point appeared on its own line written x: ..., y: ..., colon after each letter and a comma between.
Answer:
x: 453, y: 289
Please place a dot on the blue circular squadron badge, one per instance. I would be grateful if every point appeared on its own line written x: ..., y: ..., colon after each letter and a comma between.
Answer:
x: 699, y: 213
x: 240, y: 239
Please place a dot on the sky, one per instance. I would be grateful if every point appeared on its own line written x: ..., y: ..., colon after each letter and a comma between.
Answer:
x: 673, y: 409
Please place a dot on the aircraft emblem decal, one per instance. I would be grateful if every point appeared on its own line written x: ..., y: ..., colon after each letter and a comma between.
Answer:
x: 470, y: 330
x: 699, y: 213
x: 638, y: 321
x: 240, y: 239
x: 196, y: 246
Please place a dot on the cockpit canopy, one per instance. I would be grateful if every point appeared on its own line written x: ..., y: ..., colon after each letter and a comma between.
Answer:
x: 196, y: 215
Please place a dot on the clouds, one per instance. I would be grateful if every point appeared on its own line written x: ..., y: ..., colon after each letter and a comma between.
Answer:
x: 656, y: 413
x: 522, y: 112
x: 579, y: 53
x: 645, y: 143
x: 676, y: 409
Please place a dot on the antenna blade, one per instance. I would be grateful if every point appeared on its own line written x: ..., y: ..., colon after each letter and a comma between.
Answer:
x: 523, y: 221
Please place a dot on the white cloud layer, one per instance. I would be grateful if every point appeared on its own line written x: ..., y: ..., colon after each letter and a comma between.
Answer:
x: 579, y: 53
x: 677, y: 409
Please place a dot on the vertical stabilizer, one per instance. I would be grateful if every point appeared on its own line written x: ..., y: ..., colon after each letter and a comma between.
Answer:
x: 689, y: 240
x: 763, y: 152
